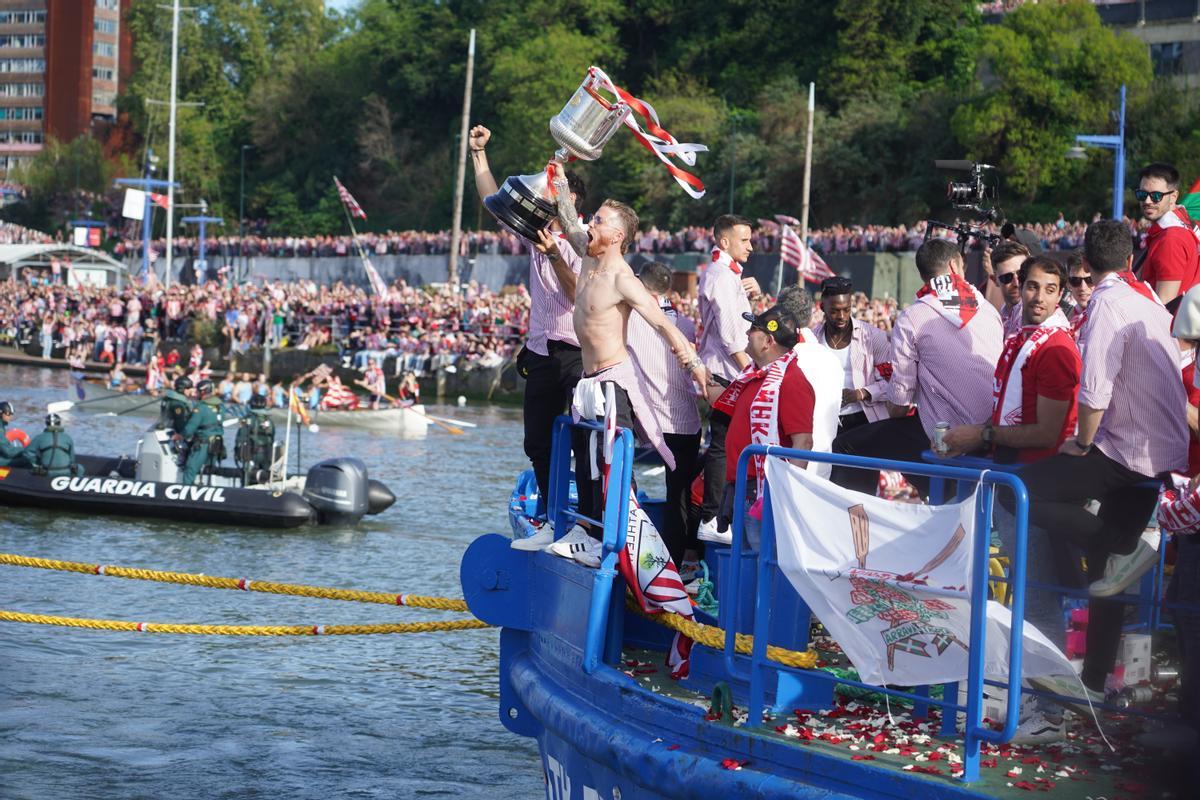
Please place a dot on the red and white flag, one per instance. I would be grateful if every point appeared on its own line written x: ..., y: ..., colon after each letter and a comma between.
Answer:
x: 348, y: 200
x: 160, y: 199
x: 376, y: 281
x: 797, y: 254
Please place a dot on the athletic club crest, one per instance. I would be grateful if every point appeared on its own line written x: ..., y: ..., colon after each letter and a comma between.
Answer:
x: 913, y: 621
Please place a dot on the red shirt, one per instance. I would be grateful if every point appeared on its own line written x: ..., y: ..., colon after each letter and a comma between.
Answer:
x: 1189, y: 372
x: 1053, y: 372
x: 796, y: 403
x: 1172, y: 252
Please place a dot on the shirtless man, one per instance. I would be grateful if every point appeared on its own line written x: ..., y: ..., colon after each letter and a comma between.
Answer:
x: 605, y: 293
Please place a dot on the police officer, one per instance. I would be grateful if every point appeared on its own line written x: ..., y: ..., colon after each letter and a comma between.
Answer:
x: 204, y: 430
x: 175, y: 408
x: 52, y: 452
x: 255, y: 445
x: 8, y: 450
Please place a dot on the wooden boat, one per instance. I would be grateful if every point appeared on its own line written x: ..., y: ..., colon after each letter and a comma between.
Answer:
x: 409, y: 421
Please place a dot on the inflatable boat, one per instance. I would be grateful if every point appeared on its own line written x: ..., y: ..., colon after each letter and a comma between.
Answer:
x: 335, y: 491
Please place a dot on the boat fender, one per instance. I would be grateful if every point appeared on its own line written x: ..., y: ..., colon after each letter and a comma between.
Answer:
x: 19, y: 436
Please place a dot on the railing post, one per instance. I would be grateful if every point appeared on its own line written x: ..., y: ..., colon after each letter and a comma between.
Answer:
x: 762, y: 611
x: 616, y: 521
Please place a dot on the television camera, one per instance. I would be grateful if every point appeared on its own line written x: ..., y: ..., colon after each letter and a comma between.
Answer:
x: 975, y: 195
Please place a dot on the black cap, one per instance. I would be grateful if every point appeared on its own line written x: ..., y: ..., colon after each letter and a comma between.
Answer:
x: 776, y: 323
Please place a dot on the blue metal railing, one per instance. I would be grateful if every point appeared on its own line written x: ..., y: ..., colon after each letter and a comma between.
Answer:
x: 975, y: 732
x: 603, y: 635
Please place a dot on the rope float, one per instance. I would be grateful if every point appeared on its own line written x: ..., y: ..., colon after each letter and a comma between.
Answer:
x: 714, y: 638
x: 241, y: 584
x: 242, y: 630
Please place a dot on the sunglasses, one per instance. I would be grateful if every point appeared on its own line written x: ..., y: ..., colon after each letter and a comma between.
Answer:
x: 1006, y: 278
x: 1080, y: 280
x: 1155, y: 197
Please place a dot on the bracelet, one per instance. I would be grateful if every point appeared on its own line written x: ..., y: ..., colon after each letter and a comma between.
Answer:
x: 1083, y: 448
x: 695, y: 364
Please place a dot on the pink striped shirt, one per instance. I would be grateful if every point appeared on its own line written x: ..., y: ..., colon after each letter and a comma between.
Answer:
x: 668, y: 390
x: 1131, y: 370
x: 549, y: 307
x: 946, y: 371
x: 1011, y: 317
x: 869, y: 348
x: 722, y: 329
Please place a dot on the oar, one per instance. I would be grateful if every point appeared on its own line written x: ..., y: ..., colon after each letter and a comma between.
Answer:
x: 60, y: 406
x: 434, y: 420
x: 453, y: 421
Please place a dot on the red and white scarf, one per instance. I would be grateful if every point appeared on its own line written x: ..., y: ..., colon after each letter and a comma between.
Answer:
x: 1007, y: 406
x: 719, y: 256
x: 952, y: 297
x: 1175, y: 218
x: 764, y: 412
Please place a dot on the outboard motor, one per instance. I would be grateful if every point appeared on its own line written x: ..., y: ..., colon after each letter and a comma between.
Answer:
x: 379, y: 497
x: 338, y: 489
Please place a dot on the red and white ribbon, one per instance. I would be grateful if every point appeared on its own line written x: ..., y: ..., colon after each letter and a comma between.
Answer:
x: 655, y: 138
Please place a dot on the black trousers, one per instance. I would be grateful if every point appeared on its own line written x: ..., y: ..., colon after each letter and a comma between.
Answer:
x: 899, y: 438
x: 591, y: 491
x: 714, y: 465
x: 1059, y: 487
x: 676, y: 528
x: 549, y: 383
x: 848, y: 422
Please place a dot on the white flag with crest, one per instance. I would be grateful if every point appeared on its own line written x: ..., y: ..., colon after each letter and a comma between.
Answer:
x: 891, y: 582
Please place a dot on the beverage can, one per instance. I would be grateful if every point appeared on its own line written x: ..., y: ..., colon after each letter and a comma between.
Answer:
x: 939, y: 437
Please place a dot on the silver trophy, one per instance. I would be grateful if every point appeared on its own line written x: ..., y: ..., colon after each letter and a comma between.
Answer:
x: 586, y: 123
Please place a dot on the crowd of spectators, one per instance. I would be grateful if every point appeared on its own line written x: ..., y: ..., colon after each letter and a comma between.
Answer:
x: 423, y: 327
x: 1058, y: 235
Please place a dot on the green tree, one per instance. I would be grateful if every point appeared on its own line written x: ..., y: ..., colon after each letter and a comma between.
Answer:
x: 65, y: 180
x: 1049, y: 71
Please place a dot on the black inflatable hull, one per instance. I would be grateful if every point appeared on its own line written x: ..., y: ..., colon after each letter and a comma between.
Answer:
x: 124, y: 496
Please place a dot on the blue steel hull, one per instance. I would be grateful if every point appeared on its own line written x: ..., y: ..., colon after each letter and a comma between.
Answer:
x: 605, y: 735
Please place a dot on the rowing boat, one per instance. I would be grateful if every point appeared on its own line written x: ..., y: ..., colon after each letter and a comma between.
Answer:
x: 409, y: 420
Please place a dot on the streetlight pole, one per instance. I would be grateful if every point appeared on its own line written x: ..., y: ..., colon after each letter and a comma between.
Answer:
x: 242, y: 215
x: 1117, y: 144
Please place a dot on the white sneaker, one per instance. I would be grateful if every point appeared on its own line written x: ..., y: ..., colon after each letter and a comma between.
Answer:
x: 543, y: 537
x: 576, y: 539
x: 589, y: 553
x: 1072, y: 687
x: 1121, y: 572
x: 707, y: 532
x: 1040, y: 729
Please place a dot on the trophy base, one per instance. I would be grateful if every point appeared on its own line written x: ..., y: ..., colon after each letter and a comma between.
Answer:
x: 518, y: 206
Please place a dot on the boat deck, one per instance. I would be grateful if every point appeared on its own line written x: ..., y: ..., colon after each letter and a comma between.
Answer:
x: 869, y: 732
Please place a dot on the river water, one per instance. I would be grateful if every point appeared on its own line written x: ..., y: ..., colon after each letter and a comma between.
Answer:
x: 99, y: 714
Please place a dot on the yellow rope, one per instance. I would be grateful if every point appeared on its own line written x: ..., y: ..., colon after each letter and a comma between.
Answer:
x: 712, y: 637
x: 243, y: 584
x: 242, y: 630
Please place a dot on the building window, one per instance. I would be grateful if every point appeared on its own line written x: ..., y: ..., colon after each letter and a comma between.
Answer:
x: 22, y: 89
x: 104, y: 98
x: 20, y: 112
x: 20, y: 137
x: 22, y: 65
x: 22, y: 17
x: 109, y: 4
x: 1166, y: 57
x: 106, y: 26
x: 103, y: 73
x: 23, y: 40
x: 104, y: 49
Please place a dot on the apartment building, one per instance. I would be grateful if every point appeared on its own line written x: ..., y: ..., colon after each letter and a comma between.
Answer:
x: 61, y: 66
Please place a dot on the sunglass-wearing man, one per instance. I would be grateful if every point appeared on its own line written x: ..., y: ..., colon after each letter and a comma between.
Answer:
x: 1079, y: 285
x: 1171, y: 260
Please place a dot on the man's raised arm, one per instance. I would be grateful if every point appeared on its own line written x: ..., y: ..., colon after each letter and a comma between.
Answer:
x: 568, y: 217
x: 477, y: 140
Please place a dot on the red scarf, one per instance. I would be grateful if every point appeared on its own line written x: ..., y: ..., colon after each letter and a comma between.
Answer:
x: 957, y: 300
x: 719, y: 256
x: 727, y: 402
x: 1007, y: 406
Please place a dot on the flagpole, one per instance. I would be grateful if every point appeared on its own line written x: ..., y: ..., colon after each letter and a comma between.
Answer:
x: 171, y: 141
x: 807, y: 164
x: 354, y: 237
x: 456, y: 229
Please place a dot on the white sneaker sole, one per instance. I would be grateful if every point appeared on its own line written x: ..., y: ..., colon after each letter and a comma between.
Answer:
x: 536, y: 542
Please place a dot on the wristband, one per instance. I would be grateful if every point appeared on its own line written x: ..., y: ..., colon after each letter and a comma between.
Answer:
x: 1083, y: 448
x: 695, y: 364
